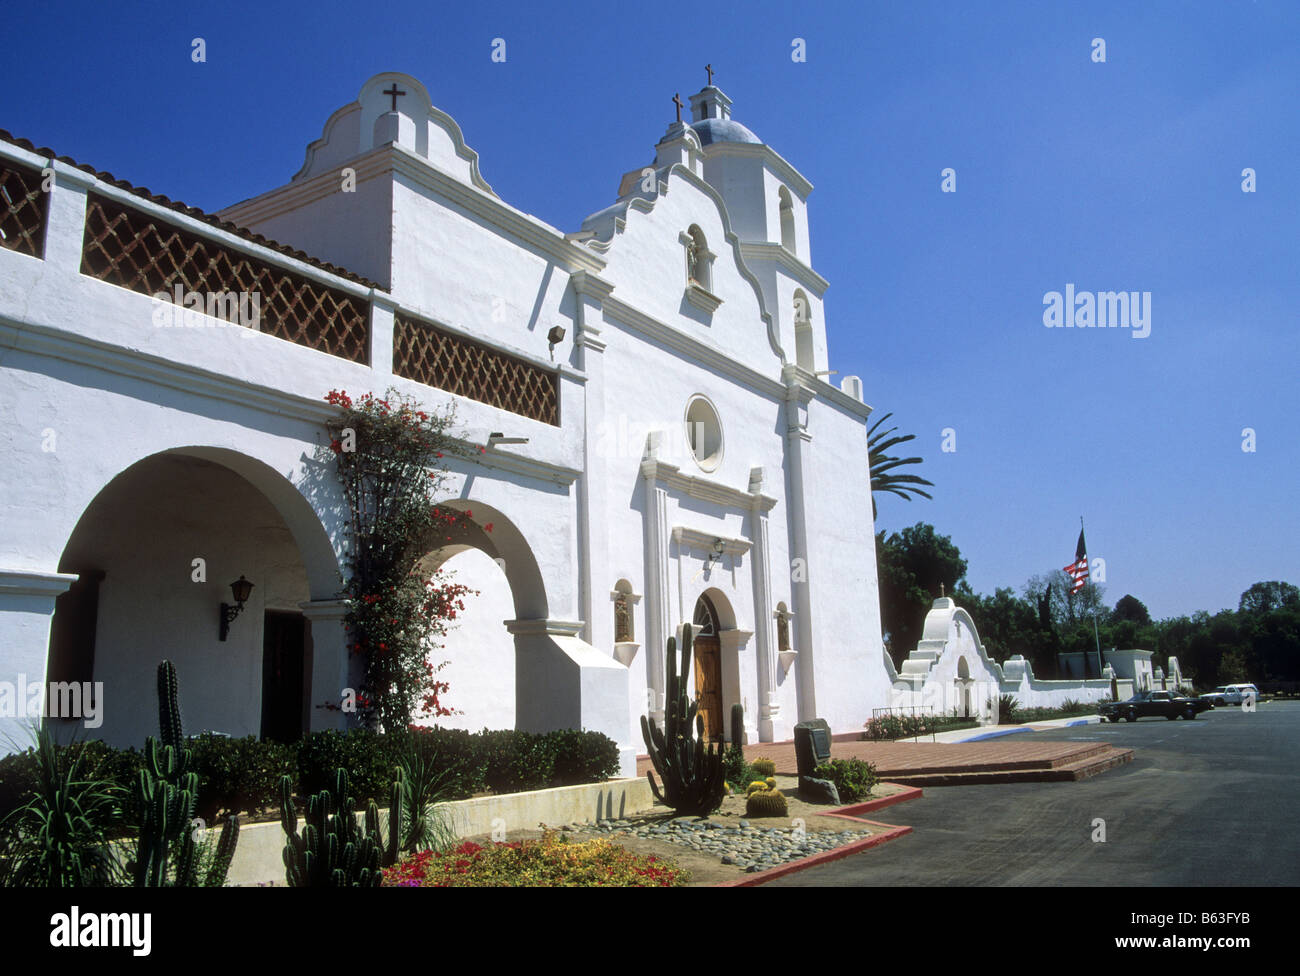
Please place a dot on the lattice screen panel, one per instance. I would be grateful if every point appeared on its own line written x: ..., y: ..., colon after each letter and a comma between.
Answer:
x: 22, y: 219
x: 429, y: 355
x: 134, y: 250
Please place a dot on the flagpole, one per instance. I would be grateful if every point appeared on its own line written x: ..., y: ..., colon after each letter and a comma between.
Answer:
x: 1095, y: 637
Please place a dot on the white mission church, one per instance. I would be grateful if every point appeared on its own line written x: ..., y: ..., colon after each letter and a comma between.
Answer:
x: 662, y: 445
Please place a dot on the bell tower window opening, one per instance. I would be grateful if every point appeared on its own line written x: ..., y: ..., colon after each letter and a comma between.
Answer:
x: 787, y: 220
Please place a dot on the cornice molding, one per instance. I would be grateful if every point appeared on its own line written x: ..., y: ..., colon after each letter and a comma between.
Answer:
x: 34, y: 582
x: 703, y: 489
x: 82, y: 350
x: 695, y: 539
x: 779, y: 254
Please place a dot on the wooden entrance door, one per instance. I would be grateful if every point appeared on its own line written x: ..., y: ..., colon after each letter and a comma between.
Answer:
x: 283, y: 676
x: 708, y: 684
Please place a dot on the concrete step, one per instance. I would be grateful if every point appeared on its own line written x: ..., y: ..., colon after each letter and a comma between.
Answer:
x: 1093, y: 764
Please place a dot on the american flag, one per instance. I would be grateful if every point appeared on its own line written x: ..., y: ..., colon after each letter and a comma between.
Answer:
x: 1078, y: 570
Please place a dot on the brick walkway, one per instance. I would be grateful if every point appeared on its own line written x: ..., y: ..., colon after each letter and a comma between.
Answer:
x: 908, y: 761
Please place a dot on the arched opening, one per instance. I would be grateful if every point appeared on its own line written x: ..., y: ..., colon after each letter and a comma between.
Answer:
x: 477, y: 656
x: 707, y: 658
x: 964, y: 685
x: 803, y: 331
x: 787, y: 220
x: 486, y: 552
x: 156, y: 551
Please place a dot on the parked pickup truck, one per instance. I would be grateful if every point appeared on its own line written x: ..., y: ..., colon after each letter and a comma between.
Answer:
x: 1230, y: 695
x: 1169, y: 704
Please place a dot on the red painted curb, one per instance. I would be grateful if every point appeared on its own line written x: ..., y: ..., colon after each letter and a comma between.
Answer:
x: 911, y: 793
x: 760, y: 877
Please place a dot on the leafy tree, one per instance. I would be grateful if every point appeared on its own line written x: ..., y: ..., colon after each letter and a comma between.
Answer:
x: 1068, y: 611
x: 912, y: 564
x: 883, y: 475
x: 1131, y: 608
x: 1274, y: 595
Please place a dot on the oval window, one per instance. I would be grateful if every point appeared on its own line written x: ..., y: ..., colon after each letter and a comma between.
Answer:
x: 704, y: 433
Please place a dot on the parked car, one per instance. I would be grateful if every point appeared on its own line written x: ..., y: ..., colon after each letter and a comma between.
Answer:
x: 1169, y: 704
x: 1230, y: 694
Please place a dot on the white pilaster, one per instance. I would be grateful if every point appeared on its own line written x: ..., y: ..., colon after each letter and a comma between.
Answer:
x: 333, y: 669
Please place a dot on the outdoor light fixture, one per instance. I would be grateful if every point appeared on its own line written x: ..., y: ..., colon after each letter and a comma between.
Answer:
x: 496, y: 437
x: 718, y: 546
x: 240, y: 589
x: 556, y: 335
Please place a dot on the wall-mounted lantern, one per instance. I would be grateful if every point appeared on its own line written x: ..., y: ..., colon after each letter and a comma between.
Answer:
x: 718, y: 547
x: 240, y: 589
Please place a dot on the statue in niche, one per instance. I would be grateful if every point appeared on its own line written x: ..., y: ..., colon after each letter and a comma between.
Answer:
x: 782, y: 631
x: 622, y: 620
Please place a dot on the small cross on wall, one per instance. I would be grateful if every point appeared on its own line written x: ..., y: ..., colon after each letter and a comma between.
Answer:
x: 393, y: 92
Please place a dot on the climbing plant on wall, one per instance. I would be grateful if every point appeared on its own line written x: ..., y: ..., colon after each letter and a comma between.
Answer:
x: 390, y: 459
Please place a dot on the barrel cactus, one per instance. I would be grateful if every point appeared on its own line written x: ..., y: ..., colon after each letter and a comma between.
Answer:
x: 766, y: 803
x: 764, y: 767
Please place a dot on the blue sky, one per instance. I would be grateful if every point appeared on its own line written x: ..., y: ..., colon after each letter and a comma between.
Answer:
x: 1117, y: 176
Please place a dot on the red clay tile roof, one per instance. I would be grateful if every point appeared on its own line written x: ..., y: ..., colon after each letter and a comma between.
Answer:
x: 194, y: 212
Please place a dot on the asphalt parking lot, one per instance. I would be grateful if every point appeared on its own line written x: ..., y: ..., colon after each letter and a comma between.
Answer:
x: 1206, y: 802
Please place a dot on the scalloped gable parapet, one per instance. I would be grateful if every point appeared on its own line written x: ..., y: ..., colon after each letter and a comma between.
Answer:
x: 415, y: 124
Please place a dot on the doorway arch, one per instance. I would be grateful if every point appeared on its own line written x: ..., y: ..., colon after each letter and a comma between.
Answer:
x: 707, y: 666
x: 155, y: 550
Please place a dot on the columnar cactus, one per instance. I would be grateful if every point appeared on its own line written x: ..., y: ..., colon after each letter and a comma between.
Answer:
x: 167, y: 854
x: 737, y: 725
x: 333, y: 850
x: 693, y: 773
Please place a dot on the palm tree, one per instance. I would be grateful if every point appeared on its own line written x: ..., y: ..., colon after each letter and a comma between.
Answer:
x: 882, y: 465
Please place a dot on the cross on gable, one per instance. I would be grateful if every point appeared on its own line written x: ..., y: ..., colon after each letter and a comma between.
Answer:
x: 393, y: 92
x: 677, y: 100
x: 709, y: 69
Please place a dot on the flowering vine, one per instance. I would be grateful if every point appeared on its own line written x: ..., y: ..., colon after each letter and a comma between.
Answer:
x: 390, y: 457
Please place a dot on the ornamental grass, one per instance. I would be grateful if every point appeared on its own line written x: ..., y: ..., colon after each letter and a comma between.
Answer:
x: 551, y: 862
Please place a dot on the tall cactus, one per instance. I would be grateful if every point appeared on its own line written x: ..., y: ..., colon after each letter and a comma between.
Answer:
x: 693, y: 773
x: 167, y: 854
x: 333, y: 850
x: 737, y: 725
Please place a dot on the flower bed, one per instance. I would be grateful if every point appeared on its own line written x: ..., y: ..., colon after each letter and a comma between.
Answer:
x: 888, y: 727
x: 549, y: 862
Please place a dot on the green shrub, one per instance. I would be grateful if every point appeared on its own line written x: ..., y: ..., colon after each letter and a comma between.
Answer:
x: 853, y: 778
x: 368, y: 757
x: 516, y: 761
x: 1008, y: 706
x: 456, y: 754
x: 582, y: 757
x: 239, y: 775
x: 735, y: 769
